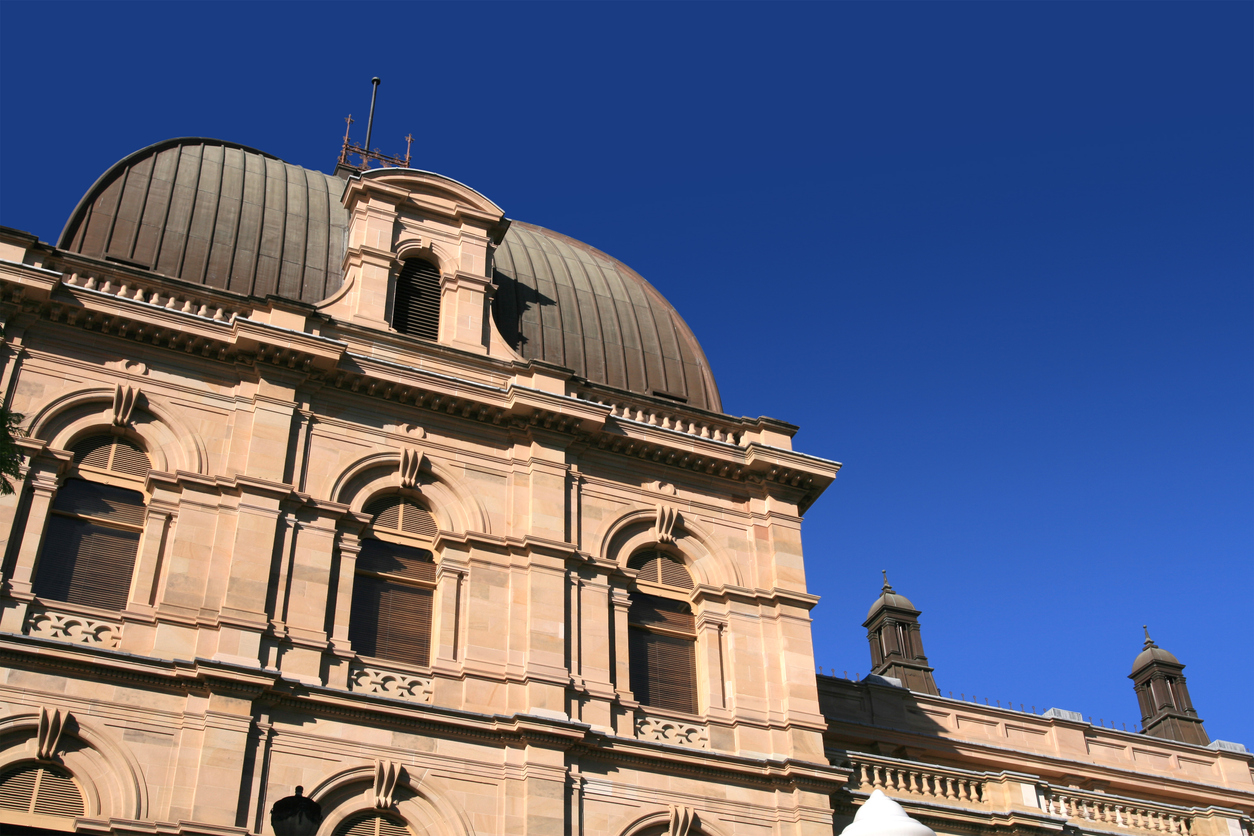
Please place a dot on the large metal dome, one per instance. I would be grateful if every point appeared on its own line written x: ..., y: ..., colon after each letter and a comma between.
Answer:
x: 567, y: 303
x: 238, y: 219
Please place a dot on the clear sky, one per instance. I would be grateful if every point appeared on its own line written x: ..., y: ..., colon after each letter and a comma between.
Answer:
x: 996, y: 258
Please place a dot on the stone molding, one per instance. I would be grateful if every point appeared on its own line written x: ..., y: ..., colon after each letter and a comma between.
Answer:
x: 72, y: 627
x: 372, y: 680
x: 667, y: 730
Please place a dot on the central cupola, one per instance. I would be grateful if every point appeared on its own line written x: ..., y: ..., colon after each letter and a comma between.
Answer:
x: 418, y: 259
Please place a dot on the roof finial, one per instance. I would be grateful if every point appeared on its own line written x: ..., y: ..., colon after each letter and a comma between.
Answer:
x: 1148, y: 641
x: 886, y: 588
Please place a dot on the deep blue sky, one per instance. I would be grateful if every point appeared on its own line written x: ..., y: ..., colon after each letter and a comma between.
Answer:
x: 996, y: 258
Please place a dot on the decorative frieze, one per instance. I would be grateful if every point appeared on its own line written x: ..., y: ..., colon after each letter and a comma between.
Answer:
x: 398, y: 686
x: 74, y: 628
x: 674, y: 732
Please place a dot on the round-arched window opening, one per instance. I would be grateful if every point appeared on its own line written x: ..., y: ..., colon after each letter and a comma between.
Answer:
x: 394, y: 583
x: 88, y: 552
x: 41, y: 789
x: 373, y: 824
x: 662, y: 633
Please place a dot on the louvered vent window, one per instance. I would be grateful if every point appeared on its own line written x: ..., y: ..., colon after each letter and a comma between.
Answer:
x: 93, y: 533
x: 42, y: 789
x: 395, y: 583
x: 416, y: 310
x: 373, y: 824
x: 662, y: 634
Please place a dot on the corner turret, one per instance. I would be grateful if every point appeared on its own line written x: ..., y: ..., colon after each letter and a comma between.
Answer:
x: 1166, y: 710
x: 896, y: 645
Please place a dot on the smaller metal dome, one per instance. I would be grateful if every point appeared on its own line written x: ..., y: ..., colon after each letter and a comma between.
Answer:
x: 889, y: 598
x: 1151, y: 653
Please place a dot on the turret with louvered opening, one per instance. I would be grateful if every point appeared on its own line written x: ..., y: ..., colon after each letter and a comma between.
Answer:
x: 41, y: 789
x: 416, y: 310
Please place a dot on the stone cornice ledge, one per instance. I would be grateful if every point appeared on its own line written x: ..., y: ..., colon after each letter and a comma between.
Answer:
x: 255, y: 683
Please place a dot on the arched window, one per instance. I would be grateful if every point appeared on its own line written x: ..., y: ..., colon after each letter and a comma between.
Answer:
x: 395, y: 582
x: 42, y: 789
x: 416, y: 309
x: 662, y: 633
x: 373, y: 824
x: 97, y: 517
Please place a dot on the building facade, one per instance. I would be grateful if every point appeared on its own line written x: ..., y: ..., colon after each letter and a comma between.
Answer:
x: 353, y: 485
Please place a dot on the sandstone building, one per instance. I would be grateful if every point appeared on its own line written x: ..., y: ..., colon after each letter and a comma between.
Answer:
x: 350, y: 483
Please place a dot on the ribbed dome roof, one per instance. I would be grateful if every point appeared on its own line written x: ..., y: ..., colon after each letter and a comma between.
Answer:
x: 231, y: 217
x: 1151, y: 652
x: 218, y: 214
x: 889, y: 599
x: 564, y: 302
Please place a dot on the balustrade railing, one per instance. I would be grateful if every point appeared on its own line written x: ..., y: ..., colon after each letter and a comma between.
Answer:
x: 175, y: 300
x: 1116, y: 812
x: 670, y: 420
x: 894, y: 777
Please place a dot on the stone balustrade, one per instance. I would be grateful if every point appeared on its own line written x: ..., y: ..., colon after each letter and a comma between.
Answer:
x: 676, y: 420
x: 1115, y: 812
x: 906, y: 778
x: 1087, y: 810
x: 178, y: 301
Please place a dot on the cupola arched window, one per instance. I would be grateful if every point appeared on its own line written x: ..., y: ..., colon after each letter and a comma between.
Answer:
x: 42, y: 789
x: 395, y: 583
x: 416, y: 306
x: 373, y: 824
x: 93, y: 533
x: 662, y: 633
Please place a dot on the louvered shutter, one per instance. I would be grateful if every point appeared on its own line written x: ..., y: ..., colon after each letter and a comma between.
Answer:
x: 664, y: 613
x: 386, y: 512
x: 377, y: 556
x: 663, y: 665
x: 660, y: 568
x: 83, y: 561
x: 36, y: 788
x: 398, y: 514
x: 372, y: 824
x: 416, y: 310
x: 391, y: 620
x: 663, y: 670
x: 115, y: 453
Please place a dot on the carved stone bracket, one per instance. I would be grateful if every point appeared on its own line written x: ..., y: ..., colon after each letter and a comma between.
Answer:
x: 123, y: 404
x: 681, y: 820
x: 385, y: 775
x: 411, y: 463
x: 664, y: 528
x: 672, y: 732
x: 388, y: 684
x: 74, y: 628
x: 51, y: 724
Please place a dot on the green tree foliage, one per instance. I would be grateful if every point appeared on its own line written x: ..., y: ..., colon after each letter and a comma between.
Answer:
x: 10, y: 455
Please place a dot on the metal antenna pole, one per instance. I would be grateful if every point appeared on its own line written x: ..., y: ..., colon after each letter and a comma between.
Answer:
x: 370, y: 123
